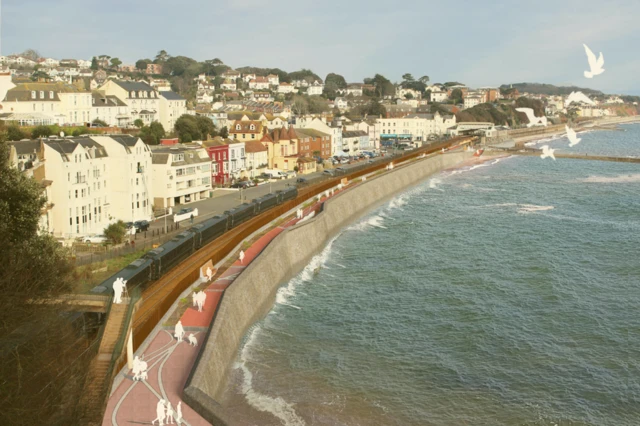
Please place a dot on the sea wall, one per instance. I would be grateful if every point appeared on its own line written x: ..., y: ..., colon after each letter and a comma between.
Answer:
x: 252, y: 295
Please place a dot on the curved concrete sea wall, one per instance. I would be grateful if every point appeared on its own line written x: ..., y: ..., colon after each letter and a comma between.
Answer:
x: 252, y: 295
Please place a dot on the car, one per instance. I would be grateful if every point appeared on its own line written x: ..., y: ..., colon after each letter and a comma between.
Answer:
x: 290, y: 174
x: 95, y: 239
x: 241, y: 185
x: 329, y: 172
x: 344, y: 161
x: 141, y: 225
x: 302, y: 180
x: 186, y: 210
x: 340, y: 170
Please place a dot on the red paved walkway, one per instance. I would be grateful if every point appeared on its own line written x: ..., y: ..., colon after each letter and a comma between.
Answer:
x: 169, y: 361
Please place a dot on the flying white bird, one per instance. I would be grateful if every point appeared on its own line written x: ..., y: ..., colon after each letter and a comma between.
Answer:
x: 533, y: 120
x: 594, y: 64
x: 571, y: 135
x: 547, y: 152
x: 578, y: 97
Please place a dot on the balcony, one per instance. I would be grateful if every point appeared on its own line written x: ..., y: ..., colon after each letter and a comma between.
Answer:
x: 80, y: 180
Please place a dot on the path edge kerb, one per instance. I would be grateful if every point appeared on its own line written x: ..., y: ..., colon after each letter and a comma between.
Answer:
x: 253, y: 293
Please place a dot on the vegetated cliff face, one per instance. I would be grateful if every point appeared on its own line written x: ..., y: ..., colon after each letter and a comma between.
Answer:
x: 501, y: 114
x: 548, y: 89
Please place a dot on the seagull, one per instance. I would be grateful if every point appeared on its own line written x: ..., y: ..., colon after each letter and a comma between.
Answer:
x: 594, y: 64
x: 533, y: 120
x: 547, y: 152
x: 578, y: 97
x: 571, y: 135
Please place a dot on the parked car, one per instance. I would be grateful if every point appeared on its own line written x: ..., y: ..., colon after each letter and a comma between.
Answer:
x: 241, y: 185
x: 302, y: 181
x: 344, y: 161
x: 329, y: 172
x: 340, y: 170
x: 141, y: 225
x: 186, y: 210
x: 95, y: 239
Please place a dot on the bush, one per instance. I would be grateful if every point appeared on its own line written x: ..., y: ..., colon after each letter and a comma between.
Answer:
x: 100, y: 123
x: 115, y: 232
x: 15, y: 133
x: 41, y: 132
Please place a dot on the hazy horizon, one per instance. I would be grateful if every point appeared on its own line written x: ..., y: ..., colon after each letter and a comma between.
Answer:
x: 479, y: 45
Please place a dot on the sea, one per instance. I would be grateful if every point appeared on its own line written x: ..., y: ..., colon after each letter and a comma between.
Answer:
x: 503, y: 293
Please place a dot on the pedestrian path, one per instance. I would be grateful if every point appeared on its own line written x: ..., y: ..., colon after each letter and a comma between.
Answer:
x: 170, y: 361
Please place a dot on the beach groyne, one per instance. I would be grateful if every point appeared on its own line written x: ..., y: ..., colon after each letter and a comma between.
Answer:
x: 253, y: 293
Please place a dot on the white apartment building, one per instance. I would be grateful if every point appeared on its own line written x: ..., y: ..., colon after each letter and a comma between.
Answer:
x: 402, y: 93
x: 228, y: 85
x: 131, y: 188
x: 341, y: 103
x: 274, y: 80
x: 180, y: 174
x: 315, y: 89
x: 472, y: 100
x: 286, y: 88
x: 142, y: 99
x: 58, y: 103
x: 237, y: 158
x: 259, y: 83
x: 366, y: 144
x: 414, y: 127
x: 172, y: 107
x: 110, y: 109
x: 92, y: 182
x: 257, y: 158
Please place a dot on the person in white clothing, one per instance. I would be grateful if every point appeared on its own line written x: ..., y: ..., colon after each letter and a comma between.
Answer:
x: 241, y: 256
x: 179, y: 331
x: 170, y: 412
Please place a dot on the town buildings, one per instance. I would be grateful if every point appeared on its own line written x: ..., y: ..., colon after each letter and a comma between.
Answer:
x: 313, y: 143
x: 246, y: 130
x: 172, y: 107
x: 412, y: 127
x: 257, y: 158
x: 109, y: 109
x: 315, y: 89
x: 91, y: 182
x: 181, y: 174
x: 142, y: 99
x: 259, y: 83
x: 282, y: 148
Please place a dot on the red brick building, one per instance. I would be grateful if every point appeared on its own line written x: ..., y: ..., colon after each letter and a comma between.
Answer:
x: 313, y: 143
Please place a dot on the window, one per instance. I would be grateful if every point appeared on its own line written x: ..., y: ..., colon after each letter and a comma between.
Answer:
x: 33, y: 94
x: 51, y: 95
x: 133, y: 94
x: 252, y: 127
x: 42, y: 94
x: 237, y: 125
x: 76, y: 193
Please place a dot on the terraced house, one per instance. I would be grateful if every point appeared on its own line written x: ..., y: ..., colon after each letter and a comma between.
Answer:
x: 245, y: 130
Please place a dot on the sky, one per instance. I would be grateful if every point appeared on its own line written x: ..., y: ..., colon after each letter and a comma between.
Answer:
x: 478, y: 43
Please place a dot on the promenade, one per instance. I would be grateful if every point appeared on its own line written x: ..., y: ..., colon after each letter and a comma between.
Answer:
x: 170, y: 362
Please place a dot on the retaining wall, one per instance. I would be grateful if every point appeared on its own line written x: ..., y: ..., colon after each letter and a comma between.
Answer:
x: 252, y: 295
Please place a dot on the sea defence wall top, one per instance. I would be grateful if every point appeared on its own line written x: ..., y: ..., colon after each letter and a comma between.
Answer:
x: 253, y: 293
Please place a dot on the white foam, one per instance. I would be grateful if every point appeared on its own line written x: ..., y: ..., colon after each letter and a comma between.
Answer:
x: 612, y: 179
x: 434, y: 182
x: 530, y: 208
x: 317, y: 261
x: 398, y: 202
x: 370, y: 222
x: 277, y: 406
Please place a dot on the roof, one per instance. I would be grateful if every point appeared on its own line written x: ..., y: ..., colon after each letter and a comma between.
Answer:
x: 254, y: 146
x: 100, y: 100
x: 26, y: 147
x: 245, y: 126
x: 171, y: 96
x: 130, y: 86
x: 68, y: 145
x: 354, y: 134
x: 160, y: 154
x: 22, y: 91
x: 311, y: 133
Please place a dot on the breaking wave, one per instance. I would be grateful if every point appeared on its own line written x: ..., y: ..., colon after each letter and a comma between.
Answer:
x: 612, y: 179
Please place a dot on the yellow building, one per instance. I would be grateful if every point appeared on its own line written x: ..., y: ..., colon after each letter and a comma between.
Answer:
x: 282, y: 147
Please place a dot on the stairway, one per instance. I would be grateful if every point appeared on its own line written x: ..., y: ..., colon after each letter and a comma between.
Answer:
x: 93, y: 398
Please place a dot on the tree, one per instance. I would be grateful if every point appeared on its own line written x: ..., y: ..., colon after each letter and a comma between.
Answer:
x: 141, y: 64
x: 115, y: 232
x: 224, y: 132
x: 376, y: 109
x: 115, y: 62
x: 152, y: 134
x: 383, y: 86
x: 456, y: 96
x: 161, y: 57
x: 408, y: 96
x: 94, y: 64
x: 41, y: 371
x: 424, y: 79
x: 190, y: 128
x: 100, y: 123
x: 15, y: 133
x: 41, y: 132
x: 452, y: 83
x: 138, y: 123
x: 31, y: 54
x: 300, y: 106
x: 40, y: 75
x: 335, y: 79
x: 217, y: 61
x: 407, y: 77
x: 317, y: 105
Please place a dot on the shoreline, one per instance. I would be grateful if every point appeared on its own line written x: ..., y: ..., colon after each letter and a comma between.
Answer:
x: 253, y: 295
